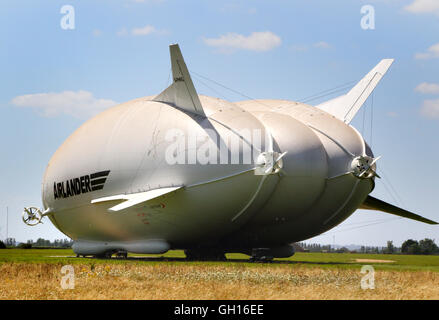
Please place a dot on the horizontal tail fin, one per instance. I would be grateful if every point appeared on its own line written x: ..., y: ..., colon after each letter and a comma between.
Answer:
x: 372, y: 203
x: 346, y: 107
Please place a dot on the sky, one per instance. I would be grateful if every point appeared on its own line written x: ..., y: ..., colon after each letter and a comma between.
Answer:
x: 62, y: 62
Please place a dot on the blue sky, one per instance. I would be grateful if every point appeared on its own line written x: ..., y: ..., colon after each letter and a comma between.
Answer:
x: 53, y: 79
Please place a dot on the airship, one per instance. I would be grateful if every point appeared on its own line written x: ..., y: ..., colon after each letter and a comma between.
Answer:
x: 201, y: 174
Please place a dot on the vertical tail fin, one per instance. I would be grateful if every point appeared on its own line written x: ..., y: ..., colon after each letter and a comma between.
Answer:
x: 346, y: 106
x: 181, y: 92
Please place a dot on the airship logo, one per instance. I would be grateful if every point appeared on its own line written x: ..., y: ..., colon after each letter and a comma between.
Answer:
x: 80, y: 185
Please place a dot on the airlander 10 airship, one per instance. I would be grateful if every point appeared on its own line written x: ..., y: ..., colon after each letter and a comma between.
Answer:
x: 186, y: 171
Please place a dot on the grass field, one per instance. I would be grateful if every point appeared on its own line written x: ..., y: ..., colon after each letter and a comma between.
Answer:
x: 36, y: 274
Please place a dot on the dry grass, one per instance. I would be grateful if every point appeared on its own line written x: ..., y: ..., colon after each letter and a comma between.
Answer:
x: 162, y: 281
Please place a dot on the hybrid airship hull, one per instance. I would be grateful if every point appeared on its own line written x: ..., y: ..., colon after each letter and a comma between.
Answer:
x: 185, y: 171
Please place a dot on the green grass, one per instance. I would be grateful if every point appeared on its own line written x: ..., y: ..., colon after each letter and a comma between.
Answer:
x: 320, y: 260
x: 347, y: 260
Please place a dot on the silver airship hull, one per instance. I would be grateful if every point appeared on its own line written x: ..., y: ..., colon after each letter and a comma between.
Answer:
x: 185, y: 171
x: 129, y: 141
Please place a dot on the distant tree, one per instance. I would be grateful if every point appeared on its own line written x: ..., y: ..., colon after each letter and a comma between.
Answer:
x: 2, y: 245
x: 390, y: 248
x: 25, y: 246
x: 42, y: 243
x: 342, y: 250
x: 410, y: 246
x: 427, y: 246
x: 10, y: 242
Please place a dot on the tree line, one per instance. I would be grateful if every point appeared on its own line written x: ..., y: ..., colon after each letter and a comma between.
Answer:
x: 40, y: 243
x: 410, y: 246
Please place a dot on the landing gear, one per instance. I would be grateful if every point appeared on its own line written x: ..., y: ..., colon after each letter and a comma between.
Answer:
x: 105, y: 255
x: 261, y: 255
x: 122, y: 254
x: 269, y: 253
x: 256, y: 258
x: 204, y: 255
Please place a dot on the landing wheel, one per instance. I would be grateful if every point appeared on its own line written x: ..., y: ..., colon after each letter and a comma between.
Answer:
x: 204, y: 255
x: 105, y: 255
x: 261, y: 259
x: 122, y: 254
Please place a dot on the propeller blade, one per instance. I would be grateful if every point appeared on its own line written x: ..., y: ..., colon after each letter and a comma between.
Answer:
x: 375, y: 174
x: 375, y: 160
x: 269, y: 169
x: 270, y: 140
x: 280, y: 156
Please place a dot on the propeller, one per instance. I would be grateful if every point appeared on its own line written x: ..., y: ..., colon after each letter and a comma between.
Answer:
x: 32, y: 216
x: 362, y: 166
x: 269, y: 162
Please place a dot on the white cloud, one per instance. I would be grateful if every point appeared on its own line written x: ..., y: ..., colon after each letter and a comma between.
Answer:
x: 322, y: 45
x: 80, y: 104
x: 428, y: 88
x: 256, y: 41
x: 423, y: 6
x: 430, y: 109
x: 143, y: 31
x: 432, y: 52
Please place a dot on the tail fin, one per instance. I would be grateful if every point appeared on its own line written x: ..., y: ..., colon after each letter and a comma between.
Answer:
x: 372, y: 203
x: 346, y: 107
x: 181, y: 92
